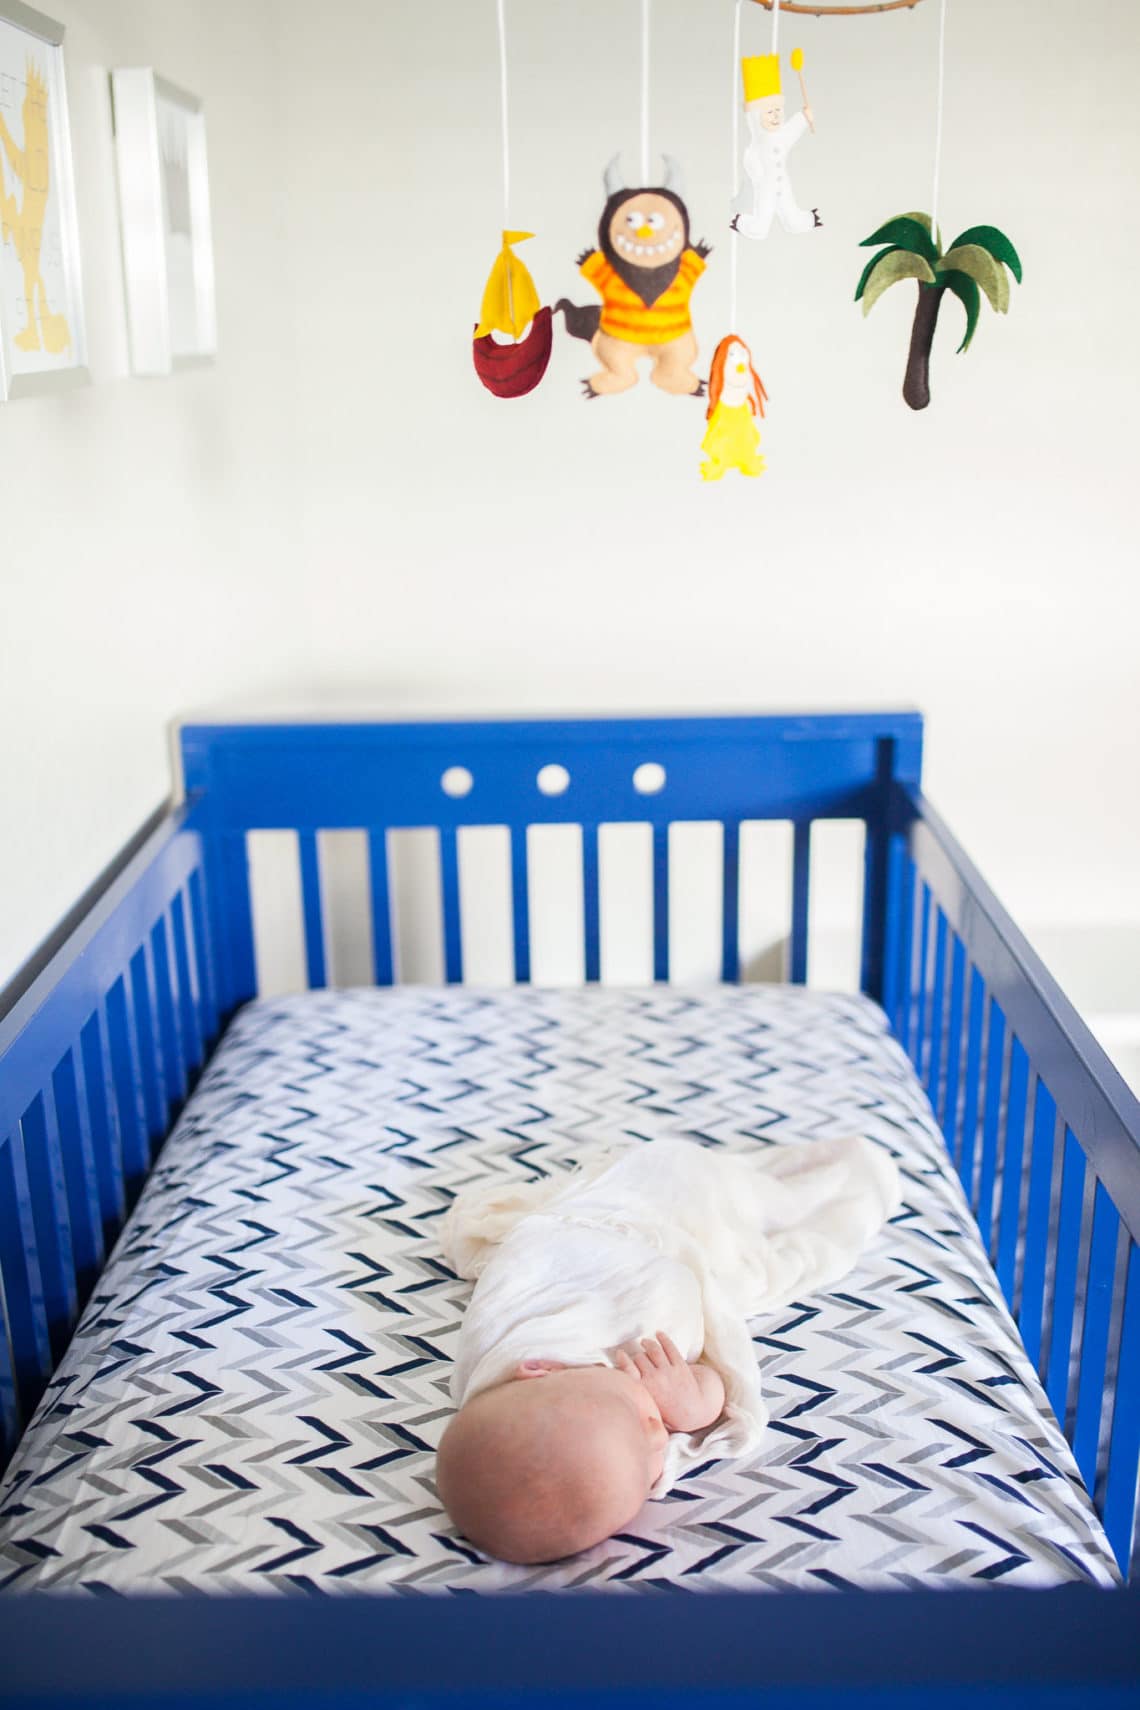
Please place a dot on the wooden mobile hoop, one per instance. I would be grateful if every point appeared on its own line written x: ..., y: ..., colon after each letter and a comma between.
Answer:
x: 839, y: 11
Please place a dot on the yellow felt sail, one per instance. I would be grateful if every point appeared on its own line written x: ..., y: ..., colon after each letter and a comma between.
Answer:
x: 510, y: 300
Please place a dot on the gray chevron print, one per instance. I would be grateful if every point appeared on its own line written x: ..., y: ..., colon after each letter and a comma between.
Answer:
x: 254, y: 1395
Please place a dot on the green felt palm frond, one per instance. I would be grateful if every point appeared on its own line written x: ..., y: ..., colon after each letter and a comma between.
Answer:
x: 891, y: 266
x: 870, y: 268
x: 907, y: 231
x: 967, y: 293
x: 979, y: 265
x: 996, y: 242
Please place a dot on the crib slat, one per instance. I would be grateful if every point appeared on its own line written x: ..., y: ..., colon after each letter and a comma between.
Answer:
x: 106, y: 1143
x: 948, y: 1115
x: 25, y: 1307
x: 520, y: 903
x: 921, y: 990
x: 995, y: 1053
x: 169, y: 1038
x: 189, y: 999
x: 1009, y: 1217
x: 892, y: 948
x: 9, y: 1400
x: 43, y: 1161
x: 1068, y: 1248
x: 203, y: 960
x: 801, y: 871
x: 591, y: 903
x: 972, y: 1088
x: 906, y: 956
x: 1094, y: 1338
x: 381, y: 907
x: 730, y: 906
x: 1032, y: 1317
x: 127, y: 1085
x: 154, y: 1099
x: 235, y: 978
x: 449, y: 888
x: 660, y: 902
x: 937, y: 1010
x: 1124, y: 1446
x: 79, y: 1171
x: 311, y: 909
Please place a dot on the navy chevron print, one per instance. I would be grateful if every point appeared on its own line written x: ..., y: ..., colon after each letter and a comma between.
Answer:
x: 254, y: 1396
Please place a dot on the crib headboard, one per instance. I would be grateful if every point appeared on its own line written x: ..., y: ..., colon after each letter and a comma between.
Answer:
x: 590, y: 773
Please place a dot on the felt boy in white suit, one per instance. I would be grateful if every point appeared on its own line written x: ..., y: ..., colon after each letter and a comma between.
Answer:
x: 766, y: 157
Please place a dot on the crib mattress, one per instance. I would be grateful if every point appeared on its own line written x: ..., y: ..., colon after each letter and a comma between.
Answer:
x: 255, y: 1392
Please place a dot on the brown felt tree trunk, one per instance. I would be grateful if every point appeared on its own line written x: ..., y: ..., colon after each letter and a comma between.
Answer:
x: 916, y: 386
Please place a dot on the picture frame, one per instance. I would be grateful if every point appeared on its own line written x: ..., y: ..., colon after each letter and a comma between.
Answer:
x: 43, y: 344
x: 164, y: 205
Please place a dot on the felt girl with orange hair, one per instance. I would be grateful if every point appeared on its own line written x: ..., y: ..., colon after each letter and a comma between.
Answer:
x: 736, y: 398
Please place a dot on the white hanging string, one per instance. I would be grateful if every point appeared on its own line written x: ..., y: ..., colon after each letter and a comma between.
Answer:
x: 734, y: 239
x: 506, y: 125
x: 938, y: 123
x: 645, y: 91
x: 775, y: 26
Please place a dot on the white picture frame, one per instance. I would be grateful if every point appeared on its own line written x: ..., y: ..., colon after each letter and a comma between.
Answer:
x: 164, y: 207
x: 43, y: 342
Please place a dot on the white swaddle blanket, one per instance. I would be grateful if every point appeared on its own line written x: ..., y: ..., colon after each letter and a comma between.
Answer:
x: 665, y: 1235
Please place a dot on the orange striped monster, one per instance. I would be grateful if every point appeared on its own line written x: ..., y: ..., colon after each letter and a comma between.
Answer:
x: 644, y: 270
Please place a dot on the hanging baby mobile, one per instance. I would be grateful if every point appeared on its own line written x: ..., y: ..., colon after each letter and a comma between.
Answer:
x: 974, y: 265
x: 645, y: 264
x: 512, y: 342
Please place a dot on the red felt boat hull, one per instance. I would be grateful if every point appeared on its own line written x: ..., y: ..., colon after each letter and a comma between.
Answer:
x: 513, y: 370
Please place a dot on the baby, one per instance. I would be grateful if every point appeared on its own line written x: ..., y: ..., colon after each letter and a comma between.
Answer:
x: 533, y: 1470
x: 572, y: 1407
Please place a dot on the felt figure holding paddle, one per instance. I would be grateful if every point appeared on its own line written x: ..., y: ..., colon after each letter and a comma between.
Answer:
x: 513, y: 335
x: 736, y: 399
x: 975, y: 264
x: 644, y: 270
x: 772, y: 140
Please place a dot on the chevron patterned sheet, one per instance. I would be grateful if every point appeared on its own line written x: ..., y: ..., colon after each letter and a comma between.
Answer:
x: 255, y: 1392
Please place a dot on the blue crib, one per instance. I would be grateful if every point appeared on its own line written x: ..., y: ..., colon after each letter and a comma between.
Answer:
x: 102, y: 1043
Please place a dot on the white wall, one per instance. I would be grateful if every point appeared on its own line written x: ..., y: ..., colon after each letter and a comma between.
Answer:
x: 337, y: 515
x: 145, y: 526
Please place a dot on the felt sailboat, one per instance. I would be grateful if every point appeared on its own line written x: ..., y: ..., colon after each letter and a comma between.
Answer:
x: 513, y: 363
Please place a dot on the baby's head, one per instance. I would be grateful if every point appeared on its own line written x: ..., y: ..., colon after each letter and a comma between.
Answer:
x: 551, y: 1461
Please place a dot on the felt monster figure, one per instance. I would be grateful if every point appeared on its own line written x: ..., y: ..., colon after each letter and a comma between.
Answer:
x: 766, y: 157
x: 644, y: 270
x: 736, y: 398
x: 23, y: 224
x: 512, y: 364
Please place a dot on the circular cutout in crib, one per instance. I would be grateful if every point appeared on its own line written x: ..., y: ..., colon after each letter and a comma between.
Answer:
x: 457, y: 781
x: 553, y: 780
x: 649, y: 779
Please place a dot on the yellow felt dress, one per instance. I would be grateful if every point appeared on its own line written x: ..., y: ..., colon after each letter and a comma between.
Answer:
x: 732, y: 441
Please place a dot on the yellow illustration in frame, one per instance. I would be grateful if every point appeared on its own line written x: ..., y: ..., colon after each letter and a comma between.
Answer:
x: 22, y: 222
x: 41, y: 314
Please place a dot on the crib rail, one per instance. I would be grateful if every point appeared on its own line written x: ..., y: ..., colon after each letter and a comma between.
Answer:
x: 1045, y: 1136
x: 96, y: 1057
x: 898, y: 1650
x: 587, y: 773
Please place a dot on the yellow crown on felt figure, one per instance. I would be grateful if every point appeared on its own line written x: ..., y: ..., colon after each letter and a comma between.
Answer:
x: 761, y: 76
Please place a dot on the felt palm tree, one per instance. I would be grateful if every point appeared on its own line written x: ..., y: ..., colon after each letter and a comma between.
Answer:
x: 974, y: 266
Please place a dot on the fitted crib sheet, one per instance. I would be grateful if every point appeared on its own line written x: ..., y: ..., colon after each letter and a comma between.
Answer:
x: 254, y: 1395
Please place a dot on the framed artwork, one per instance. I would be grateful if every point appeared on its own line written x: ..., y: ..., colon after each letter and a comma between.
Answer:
x: 164, y: 203
x: 42, y: 342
